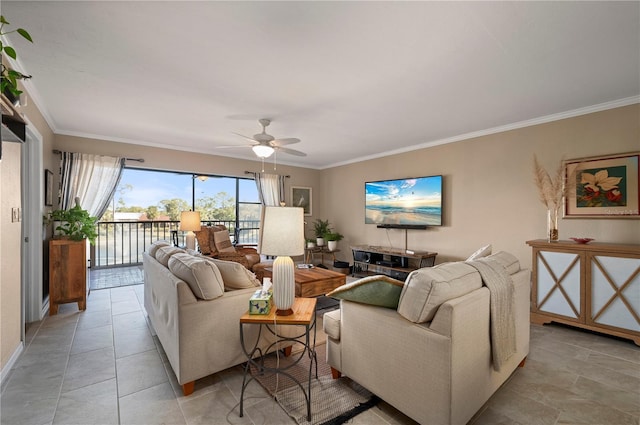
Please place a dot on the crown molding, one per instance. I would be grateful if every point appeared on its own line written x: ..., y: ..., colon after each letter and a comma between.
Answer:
x: 500, y: 129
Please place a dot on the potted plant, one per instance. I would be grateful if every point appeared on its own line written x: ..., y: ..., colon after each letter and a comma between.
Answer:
x: 75, y: 224
x: 321, y: 228
x: 332, y: 240
x: 311, y: 243
x: 10, y: 77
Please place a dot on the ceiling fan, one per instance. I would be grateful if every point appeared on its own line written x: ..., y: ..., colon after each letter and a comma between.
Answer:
x: 264, y: 145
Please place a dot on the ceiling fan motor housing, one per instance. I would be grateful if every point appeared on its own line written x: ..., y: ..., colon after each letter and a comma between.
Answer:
x: 263, y: 137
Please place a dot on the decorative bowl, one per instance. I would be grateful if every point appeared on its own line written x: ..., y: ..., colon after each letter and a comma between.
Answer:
x: 581, y: 240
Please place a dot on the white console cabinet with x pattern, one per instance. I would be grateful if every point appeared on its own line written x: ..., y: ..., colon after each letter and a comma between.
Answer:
x: 594, y: 286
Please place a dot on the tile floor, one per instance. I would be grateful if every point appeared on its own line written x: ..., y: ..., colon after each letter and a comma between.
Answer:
x: 104, y: 366
x: 116, y: 276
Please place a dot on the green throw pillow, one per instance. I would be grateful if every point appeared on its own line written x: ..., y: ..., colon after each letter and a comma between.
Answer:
x: 382, y: 291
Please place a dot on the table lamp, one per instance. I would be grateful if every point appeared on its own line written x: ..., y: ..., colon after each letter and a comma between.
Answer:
x: 190, y: 222
x: 283, y: 236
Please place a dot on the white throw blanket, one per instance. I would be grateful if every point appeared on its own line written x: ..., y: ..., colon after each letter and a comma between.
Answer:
x: 501, y: 307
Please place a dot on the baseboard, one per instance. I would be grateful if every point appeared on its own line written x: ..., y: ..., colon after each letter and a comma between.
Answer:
x: 4, y: 374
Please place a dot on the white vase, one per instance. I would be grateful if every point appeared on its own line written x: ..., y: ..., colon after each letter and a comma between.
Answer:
x: 332, y: 245
x: 283, y: 285
x: 320, y: 241
x: 311, y: 245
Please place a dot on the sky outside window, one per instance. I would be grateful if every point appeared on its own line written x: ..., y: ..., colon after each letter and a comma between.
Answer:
x: 162, y: 195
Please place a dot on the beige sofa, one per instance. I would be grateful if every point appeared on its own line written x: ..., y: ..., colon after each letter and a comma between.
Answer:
x: 194, y: 305
x: 431, y: 357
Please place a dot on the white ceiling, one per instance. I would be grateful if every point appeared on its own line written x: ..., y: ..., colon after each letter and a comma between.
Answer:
x: 352, y: 80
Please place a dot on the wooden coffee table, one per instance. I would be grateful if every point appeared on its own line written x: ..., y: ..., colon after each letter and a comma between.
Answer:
x: 315, y: 281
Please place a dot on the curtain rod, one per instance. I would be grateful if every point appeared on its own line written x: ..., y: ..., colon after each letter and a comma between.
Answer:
x: 254, y: 173
x: 56, y: 151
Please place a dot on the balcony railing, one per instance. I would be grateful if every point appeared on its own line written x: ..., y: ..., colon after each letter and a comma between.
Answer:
x: 121, y: 243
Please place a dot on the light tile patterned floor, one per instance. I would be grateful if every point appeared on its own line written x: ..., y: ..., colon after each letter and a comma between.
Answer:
x: 116, y: 277
x: 104, y: 366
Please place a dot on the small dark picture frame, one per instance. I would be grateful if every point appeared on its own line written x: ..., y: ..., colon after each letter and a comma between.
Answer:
x: 48, y: 188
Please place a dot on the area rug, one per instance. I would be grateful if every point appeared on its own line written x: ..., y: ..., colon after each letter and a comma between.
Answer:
x: 333, y: 401
x: 326, y: 304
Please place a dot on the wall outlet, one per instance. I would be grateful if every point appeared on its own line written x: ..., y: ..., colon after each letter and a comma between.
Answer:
x: 15, y: 215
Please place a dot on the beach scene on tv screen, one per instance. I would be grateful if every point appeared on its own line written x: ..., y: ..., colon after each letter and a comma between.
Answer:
x: 408, y: 201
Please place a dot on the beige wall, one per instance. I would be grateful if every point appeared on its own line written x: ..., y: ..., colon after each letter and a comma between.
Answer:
x: 11, y: 233
x: 37, y: 120
x: 10, y: 316
x: 489, y: 192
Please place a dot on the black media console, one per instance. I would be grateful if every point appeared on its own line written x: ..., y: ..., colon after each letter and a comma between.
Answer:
x: 371, y: 260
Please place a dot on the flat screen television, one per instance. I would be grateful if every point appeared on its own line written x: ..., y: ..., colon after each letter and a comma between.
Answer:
x: 404, y: 203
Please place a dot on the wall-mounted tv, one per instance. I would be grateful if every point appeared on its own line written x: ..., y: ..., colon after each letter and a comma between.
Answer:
x: 404, y: 203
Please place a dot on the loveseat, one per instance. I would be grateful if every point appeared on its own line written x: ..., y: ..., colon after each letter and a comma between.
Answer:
x: 433, y: 346
x: 194, y: 305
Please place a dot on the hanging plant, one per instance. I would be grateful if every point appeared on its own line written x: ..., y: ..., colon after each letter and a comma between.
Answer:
x: 10, y: 77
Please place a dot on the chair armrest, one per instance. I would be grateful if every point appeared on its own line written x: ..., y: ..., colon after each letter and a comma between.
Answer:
x: 235, y: 257
x: 244, y: 249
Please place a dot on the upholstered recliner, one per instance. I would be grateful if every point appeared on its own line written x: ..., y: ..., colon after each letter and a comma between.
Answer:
x: 214, y: 241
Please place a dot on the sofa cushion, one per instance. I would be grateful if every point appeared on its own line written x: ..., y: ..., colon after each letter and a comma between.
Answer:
x: 331, y: 324
x: 202, y: 276
x: 154, y: 247
x: 382, y: 291
x: 480, y: 253
x: 507, y: 260
x: 426, y: 289
x: 223, y: 241
x: 234, y: 275
x: 165, y: 252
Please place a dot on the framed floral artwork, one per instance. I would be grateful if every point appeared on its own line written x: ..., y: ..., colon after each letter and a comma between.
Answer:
x: 602, y: 187
x: 301, y: 197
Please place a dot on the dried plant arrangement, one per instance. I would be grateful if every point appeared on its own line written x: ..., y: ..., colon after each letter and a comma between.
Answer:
x: 551, y: 191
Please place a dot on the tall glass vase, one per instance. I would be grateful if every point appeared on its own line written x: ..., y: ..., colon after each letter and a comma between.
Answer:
x: 552, y: 224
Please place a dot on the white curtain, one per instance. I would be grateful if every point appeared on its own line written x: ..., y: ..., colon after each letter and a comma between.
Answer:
x: 271, y: 191
x: 270, y: 188
x: 92, y: 178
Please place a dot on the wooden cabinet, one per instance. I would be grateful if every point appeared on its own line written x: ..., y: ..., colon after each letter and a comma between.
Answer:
x: 67, y: 273
x: 594, y: 286
x: 370, y: 260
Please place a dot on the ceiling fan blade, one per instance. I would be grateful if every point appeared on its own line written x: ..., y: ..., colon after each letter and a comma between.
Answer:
x: 290, y: 151
x: 283, y: 142
x: 232, y: 146
x: 255, y: 142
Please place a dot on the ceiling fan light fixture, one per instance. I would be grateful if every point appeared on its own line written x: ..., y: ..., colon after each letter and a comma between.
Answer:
x: 263, y: 151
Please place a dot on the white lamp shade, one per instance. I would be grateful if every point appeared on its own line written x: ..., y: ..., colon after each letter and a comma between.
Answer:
x: 262, y: 151
x: 190, y: 220
x: 282, y: 231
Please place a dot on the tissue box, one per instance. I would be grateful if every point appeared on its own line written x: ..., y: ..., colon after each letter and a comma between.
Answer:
x: 259, y: 303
